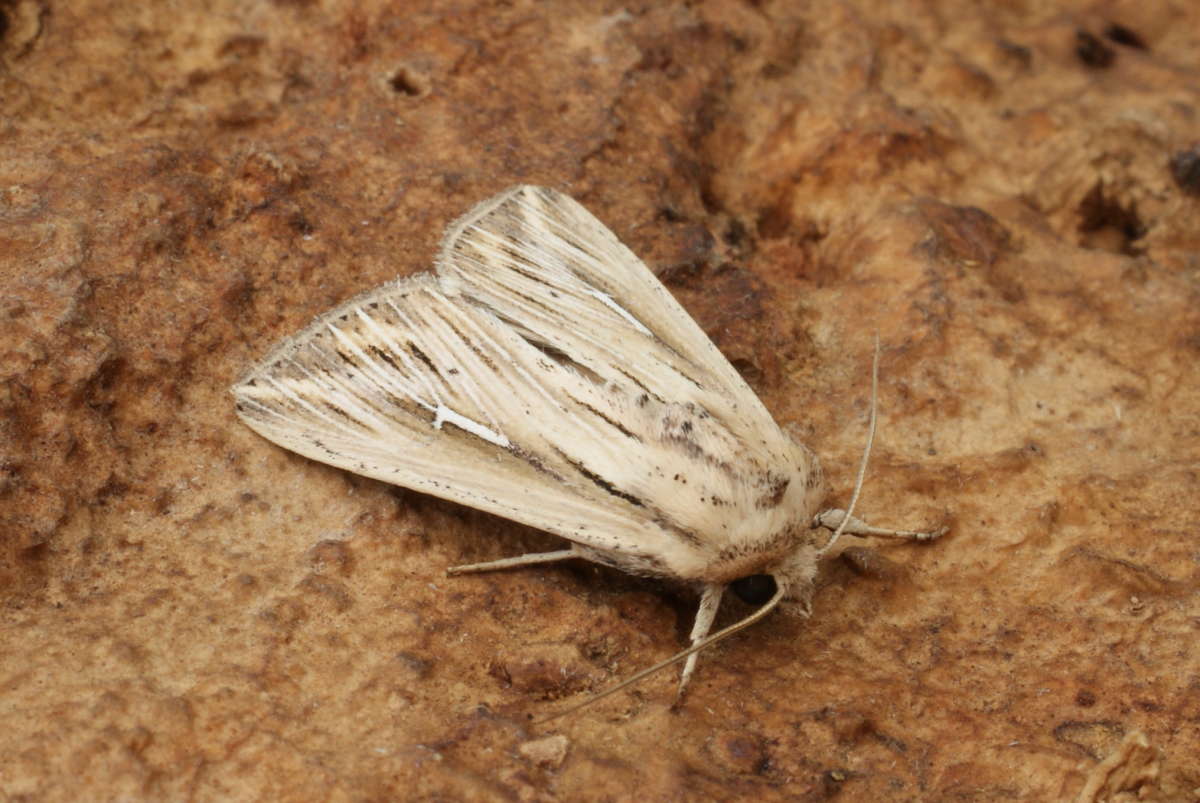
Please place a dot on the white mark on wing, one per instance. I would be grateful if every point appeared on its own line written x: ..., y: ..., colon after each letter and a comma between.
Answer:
x: 607, y: 301
x: 447, y: 416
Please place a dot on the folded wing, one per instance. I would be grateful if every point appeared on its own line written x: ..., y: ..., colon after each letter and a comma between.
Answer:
x: 544, y: 375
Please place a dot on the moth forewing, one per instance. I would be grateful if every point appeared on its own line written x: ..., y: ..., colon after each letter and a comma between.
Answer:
x: 545, y: 375
x: 540, y: 260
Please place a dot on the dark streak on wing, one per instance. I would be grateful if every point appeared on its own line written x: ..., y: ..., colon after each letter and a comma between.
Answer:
x: 560, y: 357
x: 383, y: 355
x: 599, y: 481
x: 645, y: 390
x: 532, y: 301
x: 660, y: 519
x: 556, y: 355
x: 511, y: 247
x: 617, y: 425
x: 699, y: 385
x: 336, y: 410
x: 409, y: 407
x: 469, y: 343
x: 677, y: 430
x: 522, y: 264
x: 696, y: 452
x: 423, y: 357
x: 668, y: 524
x: 534, y: 461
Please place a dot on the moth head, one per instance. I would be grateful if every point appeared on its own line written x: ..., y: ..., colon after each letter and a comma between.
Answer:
x: 794, y: 574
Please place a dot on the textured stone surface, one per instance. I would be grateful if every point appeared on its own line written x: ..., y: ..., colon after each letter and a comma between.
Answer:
x: 1006, y: 194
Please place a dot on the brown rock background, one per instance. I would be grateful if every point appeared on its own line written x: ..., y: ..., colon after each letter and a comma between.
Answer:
x: 1007, y: 192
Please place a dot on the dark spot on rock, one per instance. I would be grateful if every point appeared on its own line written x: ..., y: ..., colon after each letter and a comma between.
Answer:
x: 113, y: 488
x: 870, y: 563
x: 242, y: 46
x: 1105, y: 223
x: 301, y: 224
x: 35, y: 552
x: 1128, y: 37
x: 1185, y: 169
x: 739, y: 752
x: 962, y: 235
x: 1018, y: 53
x: 670, y: 214
x: 1093, y: 52
x: 1092, y: 738
x: 411, y: 83
x: 324, y: 587
x: 331, y: 556
x: 416, y: 665
x: 548, y: 677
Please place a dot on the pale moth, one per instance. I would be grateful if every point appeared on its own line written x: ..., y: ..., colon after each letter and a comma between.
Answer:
x: 542, y: 373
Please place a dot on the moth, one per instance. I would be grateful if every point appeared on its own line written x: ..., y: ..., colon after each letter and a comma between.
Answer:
x: 542, y: 373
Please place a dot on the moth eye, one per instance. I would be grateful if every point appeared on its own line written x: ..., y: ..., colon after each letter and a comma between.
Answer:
x: 755, y: 589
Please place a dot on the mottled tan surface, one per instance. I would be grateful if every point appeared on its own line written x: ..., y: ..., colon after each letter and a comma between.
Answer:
x: 189, y: 611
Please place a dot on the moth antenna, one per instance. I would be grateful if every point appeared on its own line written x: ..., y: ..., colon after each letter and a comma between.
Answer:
x: 720, y: 635
x: 862, y: 465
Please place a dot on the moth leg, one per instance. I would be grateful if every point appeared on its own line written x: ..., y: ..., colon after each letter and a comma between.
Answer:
x: 528, y: 559
x: 710, y: 600
x: 832, y: 519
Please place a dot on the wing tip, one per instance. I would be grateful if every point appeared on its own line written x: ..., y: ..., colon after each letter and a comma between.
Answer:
x: 284, y: 348
x: 481, y: 210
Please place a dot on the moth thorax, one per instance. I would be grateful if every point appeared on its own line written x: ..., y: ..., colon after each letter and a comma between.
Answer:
x: 763, y: 556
